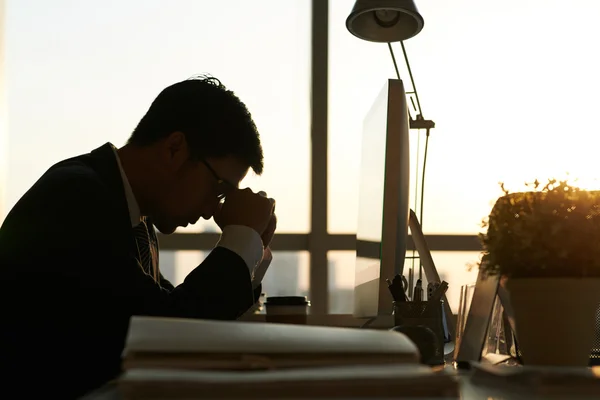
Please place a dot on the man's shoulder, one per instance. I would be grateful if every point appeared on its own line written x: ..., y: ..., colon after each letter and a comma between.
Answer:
x: 72, y: 189
x: 92, y: 170
x: 62, y: 197
x: 74, y: 181
x: 72, y: 174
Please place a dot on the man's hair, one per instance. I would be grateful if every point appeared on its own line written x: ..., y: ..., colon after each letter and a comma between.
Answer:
x: 213, y: 119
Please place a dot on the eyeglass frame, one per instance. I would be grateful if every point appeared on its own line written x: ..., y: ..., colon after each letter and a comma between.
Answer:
x: 220, y: 181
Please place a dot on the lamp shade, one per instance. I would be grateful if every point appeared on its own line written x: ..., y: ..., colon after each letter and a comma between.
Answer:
x: 384, y: 20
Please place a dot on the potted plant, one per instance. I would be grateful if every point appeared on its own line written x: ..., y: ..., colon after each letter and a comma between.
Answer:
x: 546, y: 243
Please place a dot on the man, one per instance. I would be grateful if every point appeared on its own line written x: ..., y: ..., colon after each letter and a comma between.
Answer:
x: 78, y: 253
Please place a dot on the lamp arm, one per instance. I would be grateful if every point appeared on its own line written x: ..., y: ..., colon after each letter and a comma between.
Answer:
x: 412, y: 81
x: 420, y: 123
x: 394, y: 60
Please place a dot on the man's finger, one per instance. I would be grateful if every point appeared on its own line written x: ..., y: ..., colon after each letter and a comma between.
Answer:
x: 273, y: 204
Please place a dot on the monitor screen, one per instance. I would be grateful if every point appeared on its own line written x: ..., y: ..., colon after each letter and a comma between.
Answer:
x: 371, y: 187
x: 382, y: 229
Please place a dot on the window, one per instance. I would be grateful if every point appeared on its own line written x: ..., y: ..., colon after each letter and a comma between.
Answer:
x: 341, y: 281
x: 504, y: 102
x: 357, y: 72
x: 83, y: 73
x: 452, y: 266
x: 287, y: 274
x: 508, y: 106
x: 176, y: 265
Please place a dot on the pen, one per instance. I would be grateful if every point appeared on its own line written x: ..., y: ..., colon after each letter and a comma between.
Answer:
x: 411, y: 279
x: 418, y: 292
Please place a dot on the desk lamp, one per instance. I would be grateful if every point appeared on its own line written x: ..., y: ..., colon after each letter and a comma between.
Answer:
x: 384, y: 21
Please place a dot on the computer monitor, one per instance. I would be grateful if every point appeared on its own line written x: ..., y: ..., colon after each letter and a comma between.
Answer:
x: 383, y: 201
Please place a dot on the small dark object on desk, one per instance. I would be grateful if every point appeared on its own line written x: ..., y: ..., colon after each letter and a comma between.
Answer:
x: 425, y: 340
x: 397, y: 287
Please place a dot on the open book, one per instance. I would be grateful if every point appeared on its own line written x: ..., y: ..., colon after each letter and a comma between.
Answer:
x: 178, y: 358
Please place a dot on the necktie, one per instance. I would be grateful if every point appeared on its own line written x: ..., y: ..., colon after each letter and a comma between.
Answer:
x: 142, y: 239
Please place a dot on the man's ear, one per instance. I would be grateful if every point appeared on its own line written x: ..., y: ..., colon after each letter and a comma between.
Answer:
x: 176, y: 142
x: 176, y: 148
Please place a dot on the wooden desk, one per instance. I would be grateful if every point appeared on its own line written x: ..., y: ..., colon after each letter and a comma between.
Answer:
x: 469, y: 390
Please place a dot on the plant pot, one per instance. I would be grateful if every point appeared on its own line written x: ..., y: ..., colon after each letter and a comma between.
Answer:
x: 555, y: 319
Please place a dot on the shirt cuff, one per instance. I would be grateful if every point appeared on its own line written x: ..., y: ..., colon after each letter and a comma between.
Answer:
x: 245, y: 242
x: 261, y: 269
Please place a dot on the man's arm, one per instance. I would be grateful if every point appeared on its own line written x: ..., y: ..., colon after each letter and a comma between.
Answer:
x: 101, y: 260
x: 256, y: 285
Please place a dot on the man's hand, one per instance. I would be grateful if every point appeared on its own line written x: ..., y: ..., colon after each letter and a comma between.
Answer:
x: 244, y: 207
x: 269, y: 232
x: 261, y: 269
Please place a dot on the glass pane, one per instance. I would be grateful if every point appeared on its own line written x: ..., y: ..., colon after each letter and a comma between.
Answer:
x: 452, y: 267
x: 78, y: 76
x: 176, y: 265
x: 357, y: 73
x: 507, y: 106
x: 287, y: 275
x: 341, y: 281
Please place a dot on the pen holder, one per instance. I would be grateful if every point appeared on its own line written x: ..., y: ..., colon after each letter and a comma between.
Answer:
x: 410, y: 314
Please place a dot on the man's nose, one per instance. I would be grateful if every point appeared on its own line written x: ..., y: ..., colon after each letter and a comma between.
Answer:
x: 210, y: 208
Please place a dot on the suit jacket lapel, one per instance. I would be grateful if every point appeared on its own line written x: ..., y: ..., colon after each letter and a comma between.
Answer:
x: 103, y: 161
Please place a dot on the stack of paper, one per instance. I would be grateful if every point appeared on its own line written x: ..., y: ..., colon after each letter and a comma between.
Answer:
x: 180, y: 358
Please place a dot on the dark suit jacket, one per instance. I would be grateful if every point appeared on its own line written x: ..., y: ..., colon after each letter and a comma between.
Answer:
x: 69, y: 281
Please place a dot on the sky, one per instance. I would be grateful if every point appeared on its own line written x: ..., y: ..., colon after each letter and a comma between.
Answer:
x: 512, y: 87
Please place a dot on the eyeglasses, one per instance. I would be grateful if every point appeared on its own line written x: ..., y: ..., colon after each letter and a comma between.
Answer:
x: 223, y: 185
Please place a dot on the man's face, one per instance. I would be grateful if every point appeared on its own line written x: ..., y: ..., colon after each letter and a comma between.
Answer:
x: 190, y: 189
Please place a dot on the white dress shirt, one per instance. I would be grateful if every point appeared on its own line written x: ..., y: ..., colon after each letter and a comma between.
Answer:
x: 242, y: 240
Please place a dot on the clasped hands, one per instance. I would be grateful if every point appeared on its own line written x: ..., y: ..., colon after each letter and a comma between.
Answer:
x: 254, y: 210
